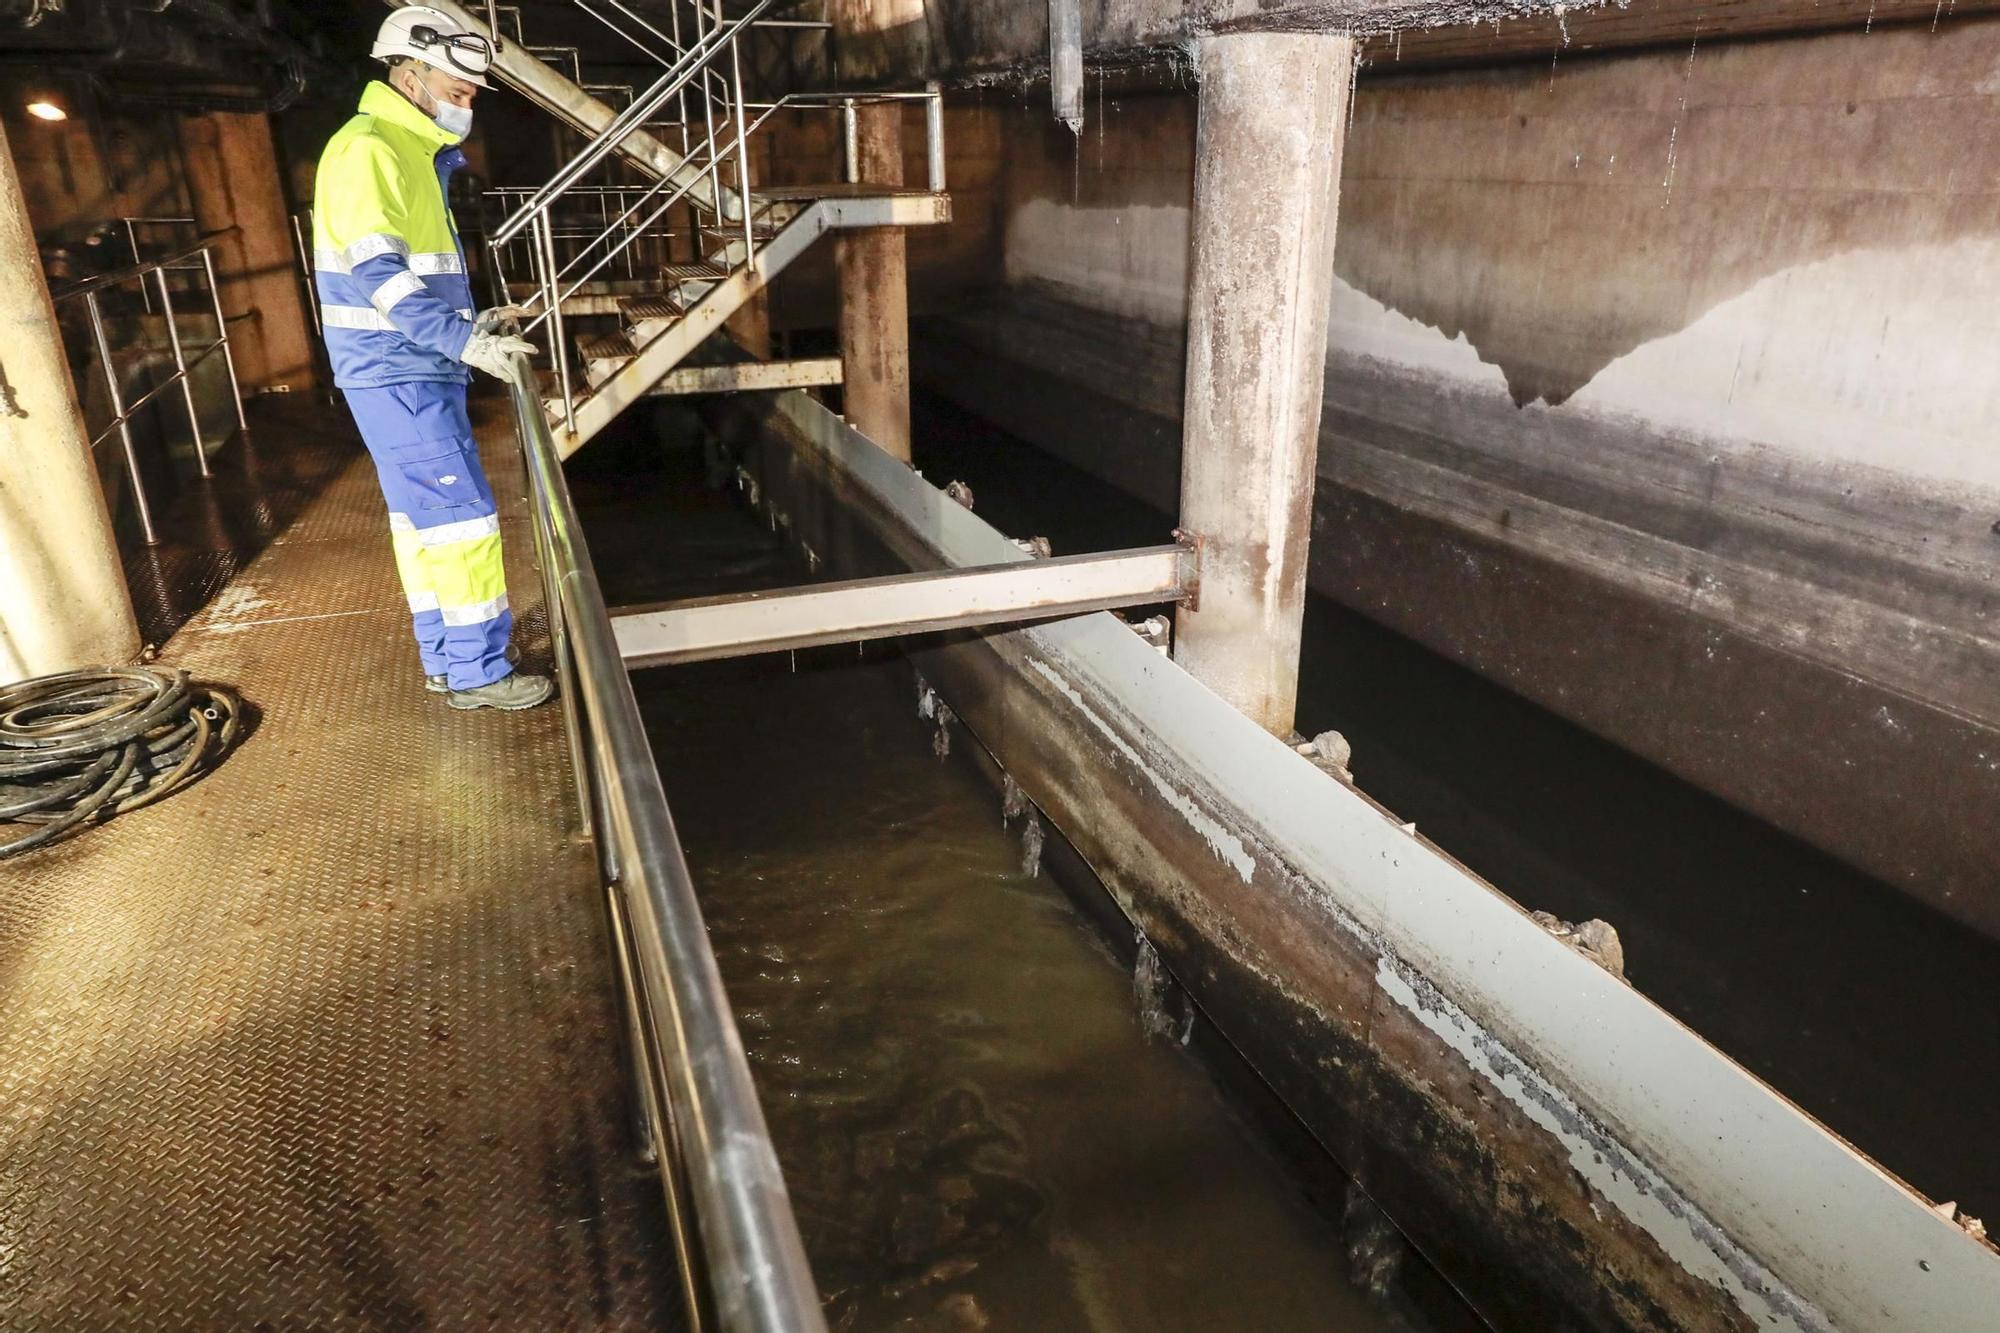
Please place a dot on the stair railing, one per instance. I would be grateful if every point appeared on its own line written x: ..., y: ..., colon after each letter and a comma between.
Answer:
x: 702, y: 79
x: 717, y: 44
x: 712, y: 64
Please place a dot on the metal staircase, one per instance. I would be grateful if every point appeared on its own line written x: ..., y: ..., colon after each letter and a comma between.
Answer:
x: 674, y: 257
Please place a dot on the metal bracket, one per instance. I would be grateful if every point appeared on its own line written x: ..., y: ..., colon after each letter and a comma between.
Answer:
x: 1193, y: 543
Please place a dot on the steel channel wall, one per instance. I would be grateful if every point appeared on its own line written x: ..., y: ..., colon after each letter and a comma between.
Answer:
x: 1565, y: 1151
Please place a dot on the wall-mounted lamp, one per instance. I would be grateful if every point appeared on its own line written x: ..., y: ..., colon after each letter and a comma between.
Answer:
x: 43, y: 109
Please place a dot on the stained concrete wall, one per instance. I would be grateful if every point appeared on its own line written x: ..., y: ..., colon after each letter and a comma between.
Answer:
x: 1659, y: 389
x: 96, y: 166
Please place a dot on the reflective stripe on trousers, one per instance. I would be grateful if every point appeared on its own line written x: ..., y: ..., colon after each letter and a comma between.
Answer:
x: 443, y: 525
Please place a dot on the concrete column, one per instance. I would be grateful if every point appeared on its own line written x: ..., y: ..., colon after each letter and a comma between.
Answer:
x: 232, y: 169
x: 1267, y: 176
x: 63, y: 602
x: 874, y: 296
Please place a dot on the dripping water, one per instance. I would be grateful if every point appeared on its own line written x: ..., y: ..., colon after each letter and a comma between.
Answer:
x: 1674, y: 135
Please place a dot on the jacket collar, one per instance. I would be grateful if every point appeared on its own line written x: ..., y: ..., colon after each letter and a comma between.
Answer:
x: 381, y: 101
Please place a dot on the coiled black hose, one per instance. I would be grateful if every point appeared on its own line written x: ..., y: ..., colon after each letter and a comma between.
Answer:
x: 83, y: 746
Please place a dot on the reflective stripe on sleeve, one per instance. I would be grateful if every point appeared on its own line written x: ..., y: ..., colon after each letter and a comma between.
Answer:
x: 354, y: 317
x: 403, y: 285
x: 443, y: 262
x: 431, y: 262
x: 379, y: 243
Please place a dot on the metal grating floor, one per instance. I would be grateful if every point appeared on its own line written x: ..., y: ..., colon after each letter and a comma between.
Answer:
x: 329, y: 1040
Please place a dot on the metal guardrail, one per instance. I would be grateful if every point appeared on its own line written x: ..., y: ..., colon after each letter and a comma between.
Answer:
x: 132, y: 226
x: 725, y: 1194
x: 195, y: 256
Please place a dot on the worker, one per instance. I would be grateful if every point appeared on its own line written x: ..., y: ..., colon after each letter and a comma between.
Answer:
x: 396, y: 305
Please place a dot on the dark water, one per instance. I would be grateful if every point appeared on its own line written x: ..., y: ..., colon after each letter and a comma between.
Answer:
x: 1869, y: 1010
x: 975, y: 1126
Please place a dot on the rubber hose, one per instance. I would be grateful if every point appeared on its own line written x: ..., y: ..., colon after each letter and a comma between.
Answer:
x: 81, y: 746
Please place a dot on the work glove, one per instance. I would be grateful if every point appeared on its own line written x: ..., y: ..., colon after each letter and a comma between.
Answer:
x: 494, y: 353
x: 493, y: 318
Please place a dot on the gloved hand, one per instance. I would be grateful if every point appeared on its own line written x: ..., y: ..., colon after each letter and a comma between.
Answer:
x: 494, y: 353
x: 490, y: 319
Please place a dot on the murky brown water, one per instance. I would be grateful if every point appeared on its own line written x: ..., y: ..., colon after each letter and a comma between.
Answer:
x: 975, y: 1126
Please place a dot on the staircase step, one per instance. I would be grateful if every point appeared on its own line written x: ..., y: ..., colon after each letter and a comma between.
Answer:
x: 659, y: 305
x: 703, y: 272
x: 733, y: 231
x: 605, y: 347
x: 602, y: 354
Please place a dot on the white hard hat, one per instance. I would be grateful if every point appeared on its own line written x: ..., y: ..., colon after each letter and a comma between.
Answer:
x: 437, y: 39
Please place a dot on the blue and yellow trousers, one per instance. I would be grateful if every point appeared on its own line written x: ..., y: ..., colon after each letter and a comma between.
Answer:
x: 443, y: 524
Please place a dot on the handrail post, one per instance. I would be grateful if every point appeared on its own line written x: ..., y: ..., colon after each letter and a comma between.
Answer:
x: 222, y: 336
x: 934, y: 134
x: 850, y: 142
x: 742, y: 146
x: 558, y: 342
x: 181, y: 371
x: 132, y: 248
x: 306, y: 267
x: 124, y: 427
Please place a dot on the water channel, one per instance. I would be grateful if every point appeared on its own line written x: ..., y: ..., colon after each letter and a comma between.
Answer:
x: 976, y: 1127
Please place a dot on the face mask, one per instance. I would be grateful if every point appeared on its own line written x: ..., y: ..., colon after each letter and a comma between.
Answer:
x: 452, y: 119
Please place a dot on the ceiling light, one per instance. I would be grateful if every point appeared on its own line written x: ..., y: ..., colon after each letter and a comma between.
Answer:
x: 43, y: 109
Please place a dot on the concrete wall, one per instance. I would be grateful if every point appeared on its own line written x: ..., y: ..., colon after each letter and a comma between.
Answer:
x: 906, y: 41
x: 1659, y: 389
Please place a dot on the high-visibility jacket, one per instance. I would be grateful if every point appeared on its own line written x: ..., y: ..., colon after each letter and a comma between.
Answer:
x: 394, y: 297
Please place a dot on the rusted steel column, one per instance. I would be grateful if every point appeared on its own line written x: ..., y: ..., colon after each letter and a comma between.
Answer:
x: 63, y: 602
x: 1267, y: 176
x: 750, y: 326
x: 232, y: 169
x: 874, y: 296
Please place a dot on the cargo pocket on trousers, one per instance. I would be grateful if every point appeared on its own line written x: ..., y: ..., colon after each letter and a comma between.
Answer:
x: 441, y: 480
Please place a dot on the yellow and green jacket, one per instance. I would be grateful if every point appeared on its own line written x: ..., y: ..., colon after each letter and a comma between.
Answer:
x: 395, y: 300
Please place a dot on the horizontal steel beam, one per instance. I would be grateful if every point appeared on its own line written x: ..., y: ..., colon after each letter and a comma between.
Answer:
x: 744, y: 375
x: 762, y: 622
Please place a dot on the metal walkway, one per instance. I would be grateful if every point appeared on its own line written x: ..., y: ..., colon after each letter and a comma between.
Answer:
x: 331, y: 1039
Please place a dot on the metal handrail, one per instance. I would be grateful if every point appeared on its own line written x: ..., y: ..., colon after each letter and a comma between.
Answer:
x: 757, y: 1277
x: 122, y: 412
x: 141, y: 268
x: 131, y: 226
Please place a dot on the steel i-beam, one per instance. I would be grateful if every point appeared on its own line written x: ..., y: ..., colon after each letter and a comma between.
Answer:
x: 847, y: 612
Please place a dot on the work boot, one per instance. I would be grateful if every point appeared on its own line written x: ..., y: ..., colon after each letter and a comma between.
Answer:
x: 441, y: 683
x: 509, y: 693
